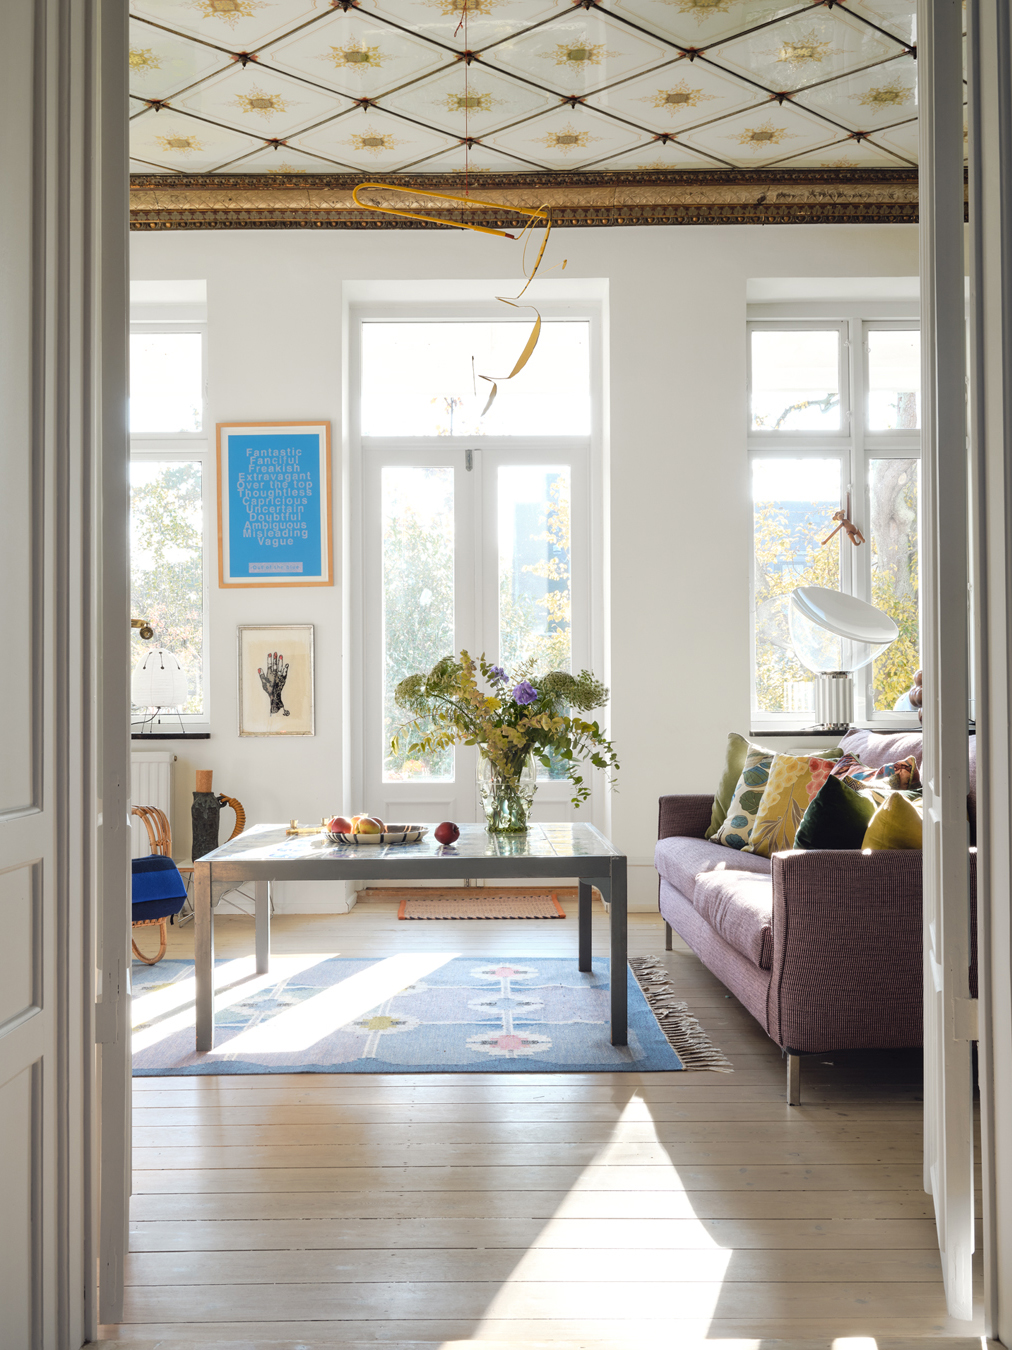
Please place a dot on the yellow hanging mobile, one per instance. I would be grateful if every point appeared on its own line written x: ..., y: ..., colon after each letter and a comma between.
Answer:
x: 533, y: 213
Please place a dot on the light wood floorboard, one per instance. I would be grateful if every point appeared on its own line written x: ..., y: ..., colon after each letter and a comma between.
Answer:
x: 534, y: 1210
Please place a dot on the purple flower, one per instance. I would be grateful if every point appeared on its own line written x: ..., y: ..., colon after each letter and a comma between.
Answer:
x: 497, y: 675
x: 524, y: 692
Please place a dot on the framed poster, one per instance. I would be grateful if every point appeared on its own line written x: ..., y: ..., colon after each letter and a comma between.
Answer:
x: 274, y: 504
x: 276, y: 680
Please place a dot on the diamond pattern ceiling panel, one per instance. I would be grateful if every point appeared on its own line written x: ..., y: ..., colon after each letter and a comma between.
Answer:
x: 579, y: 53
x: 698, y: 24
x: 482, y: 104
x: 569, y: 138
x: 658, y: 155
x: 849, y: 154
x: 232, y: 25
x: 808, y: 49
x: 677, y: 97
x: 468, y: 25
x: 372, y: 141
x: 260, y: 101
x: 384, y: 86
x: 765, y: 134
x: 163, y: 63
x: 897, y: 17
x: 879, y: 97
x: 175, y: 142
x: 355, y: 54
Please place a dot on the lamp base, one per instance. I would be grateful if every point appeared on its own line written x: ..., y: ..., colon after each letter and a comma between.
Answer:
x: 834, y: 700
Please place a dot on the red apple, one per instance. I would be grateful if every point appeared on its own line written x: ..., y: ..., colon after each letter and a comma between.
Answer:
x: 340, y: 825
x: 447, y: 832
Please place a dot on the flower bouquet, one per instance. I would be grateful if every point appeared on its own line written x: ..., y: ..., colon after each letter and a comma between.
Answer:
x: 517, y: 722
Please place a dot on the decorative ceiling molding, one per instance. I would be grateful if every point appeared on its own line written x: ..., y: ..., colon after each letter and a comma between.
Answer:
x: 709, y: 197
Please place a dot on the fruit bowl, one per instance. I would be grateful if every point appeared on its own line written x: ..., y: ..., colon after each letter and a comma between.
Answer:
x: 393, y: 834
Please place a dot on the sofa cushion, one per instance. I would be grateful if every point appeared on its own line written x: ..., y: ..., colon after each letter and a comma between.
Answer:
x: 875, y: 750
x: 680, y: 861
x: 734, y: 761
x: 748, y: 794
x: 896, y: 824
x: 793, y: 782
x: 739, y: 906
x: 837, y: 818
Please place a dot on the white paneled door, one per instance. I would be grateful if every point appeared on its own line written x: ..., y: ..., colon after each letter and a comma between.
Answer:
x: 950, y: 1015
x: 64, y: 836
x: 484, y: 548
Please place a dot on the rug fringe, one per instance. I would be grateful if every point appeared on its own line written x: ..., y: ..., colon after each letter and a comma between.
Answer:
x: 685, y: 1035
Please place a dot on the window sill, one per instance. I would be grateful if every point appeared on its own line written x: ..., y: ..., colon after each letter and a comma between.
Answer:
x: 880, y: 728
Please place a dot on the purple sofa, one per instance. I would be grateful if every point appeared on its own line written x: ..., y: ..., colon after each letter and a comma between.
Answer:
x: 822, y: 947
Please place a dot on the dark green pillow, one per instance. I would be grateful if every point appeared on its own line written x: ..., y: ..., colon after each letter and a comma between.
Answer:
x: 734, y: 762
x: 837, y: 817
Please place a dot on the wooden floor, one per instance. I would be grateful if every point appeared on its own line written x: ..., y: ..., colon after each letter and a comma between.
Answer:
x: 579, y: 1209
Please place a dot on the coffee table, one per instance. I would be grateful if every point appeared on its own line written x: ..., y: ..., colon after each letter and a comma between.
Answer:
x: 264, y: 853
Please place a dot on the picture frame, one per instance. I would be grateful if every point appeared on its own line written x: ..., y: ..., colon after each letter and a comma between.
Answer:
x: 275, y: 514
x: 276, y: 695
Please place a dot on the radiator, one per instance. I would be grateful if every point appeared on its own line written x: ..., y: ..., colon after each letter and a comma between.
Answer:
x: 150, y: 785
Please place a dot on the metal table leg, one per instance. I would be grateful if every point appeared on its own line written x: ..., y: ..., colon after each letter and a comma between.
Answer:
x: 262, y: 891
x: 619, y: 955
x: 203, y: 954
x: 586, y: 929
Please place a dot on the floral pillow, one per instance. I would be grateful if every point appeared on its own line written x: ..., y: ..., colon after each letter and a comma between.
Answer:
x: 903, y: 774
x: 747, y: 798
x: 794, y: 780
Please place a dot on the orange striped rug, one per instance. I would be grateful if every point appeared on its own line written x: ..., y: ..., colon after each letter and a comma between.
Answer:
x: 505, y: 905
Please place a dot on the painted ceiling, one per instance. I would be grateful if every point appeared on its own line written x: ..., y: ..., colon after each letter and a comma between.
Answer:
x: 514, y: 86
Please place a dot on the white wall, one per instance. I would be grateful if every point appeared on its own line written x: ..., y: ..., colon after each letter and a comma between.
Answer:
x: 677, y: 490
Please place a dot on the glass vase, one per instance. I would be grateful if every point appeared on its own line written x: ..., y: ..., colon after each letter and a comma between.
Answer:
x: 507, y: 795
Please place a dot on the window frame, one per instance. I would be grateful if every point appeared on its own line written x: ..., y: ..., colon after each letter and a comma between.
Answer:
x: 183, y: 446
x: 362, y: 450
x: 855, y: 445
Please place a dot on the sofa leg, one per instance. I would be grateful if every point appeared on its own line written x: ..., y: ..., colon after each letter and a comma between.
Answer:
x: 667, y: 936
x: 793, y: 1079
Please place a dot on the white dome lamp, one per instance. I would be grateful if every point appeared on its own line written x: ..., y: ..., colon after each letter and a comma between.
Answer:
x: 159, y: 683
x: 833, y: 635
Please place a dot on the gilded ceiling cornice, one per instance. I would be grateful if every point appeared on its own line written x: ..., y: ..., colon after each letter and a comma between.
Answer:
x: 698, y: 197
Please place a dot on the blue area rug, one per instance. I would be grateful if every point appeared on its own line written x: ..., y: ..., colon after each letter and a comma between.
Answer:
x: 417, y: 1012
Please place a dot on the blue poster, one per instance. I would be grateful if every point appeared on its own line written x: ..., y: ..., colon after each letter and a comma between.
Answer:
x: 275, y: 494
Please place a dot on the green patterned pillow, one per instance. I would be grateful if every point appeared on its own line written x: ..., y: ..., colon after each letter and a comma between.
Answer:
x: 736, y: 830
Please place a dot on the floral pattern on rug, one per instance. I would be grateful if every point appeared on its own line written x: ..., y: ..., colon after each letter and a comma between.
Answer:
x: 412, y: 1013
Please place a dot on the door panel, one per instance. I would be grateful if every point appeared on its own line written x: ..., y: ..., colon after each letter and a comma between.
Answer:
x: 476, y: 549
x: 63, y: 613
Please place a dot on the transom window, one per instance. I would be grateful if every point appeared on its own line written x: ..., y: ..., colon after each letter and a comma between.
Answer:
x: 834, y: 424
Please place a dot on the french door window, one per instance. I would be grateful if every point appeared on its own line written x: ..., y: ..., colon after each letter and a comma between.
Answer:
x: 476, y: 532
x: 834, y: 421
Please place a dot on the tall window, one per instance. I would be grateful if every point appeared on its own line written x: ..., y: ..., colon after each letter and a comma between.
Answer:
x: 475, y: 525
x: 834, y: 421
x: 168, y: 490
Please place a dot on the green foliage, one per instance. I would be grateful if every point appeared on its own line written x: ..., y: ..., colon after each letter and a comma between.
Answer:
x: 167, y: 567
x: 785, y: 558
x: 447, y: 706
x: 417, y: 620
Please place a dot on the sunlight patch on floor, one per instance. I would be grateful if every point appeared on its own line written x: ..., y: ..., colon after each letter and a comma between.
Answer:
x: 317, y: 1017
x: 230, y: 987
x: 710, y: 1270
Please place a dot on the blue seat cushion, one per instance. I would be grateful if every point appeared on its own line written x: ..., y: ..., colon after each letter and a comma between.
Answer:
x: 155, y: 909
x: 158, y: 889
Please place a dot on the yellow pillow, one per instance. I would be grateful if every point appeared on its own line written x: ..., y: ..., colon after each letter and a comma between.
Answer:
x: 896, y: 824
x: 793, y: 782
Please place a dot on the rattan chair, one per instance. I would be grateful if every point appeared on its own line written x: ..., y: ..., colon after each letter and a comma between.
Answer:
x: 158, y: 889
x: 166, y: 890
